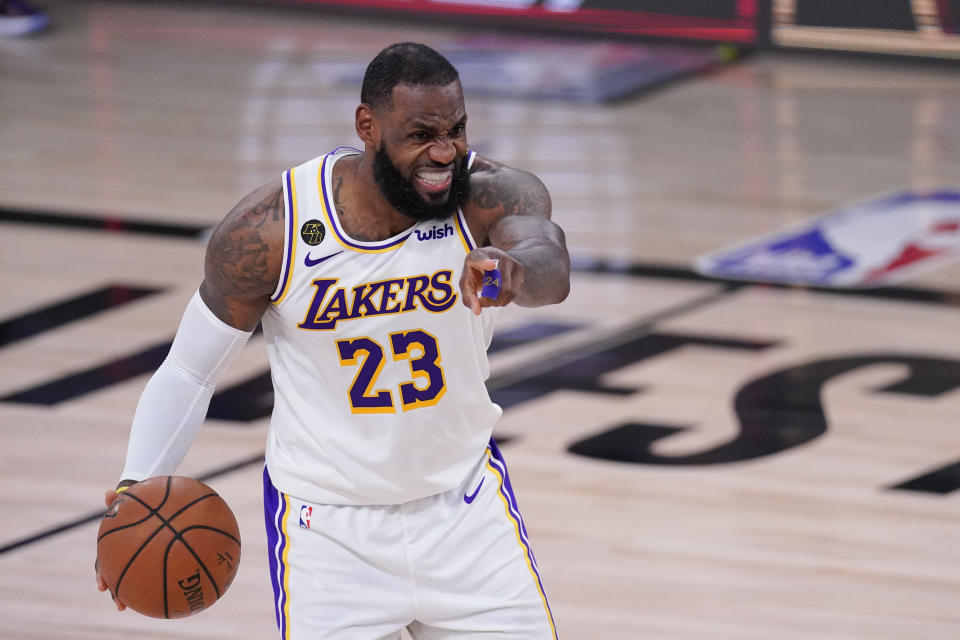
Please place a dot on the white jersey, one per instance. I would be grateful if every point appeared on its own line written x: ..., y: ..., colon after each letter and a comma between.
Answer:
x: 378, y: 368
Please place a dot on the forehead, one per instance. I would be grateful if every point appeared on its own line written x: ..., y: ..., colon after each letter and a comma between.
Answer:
x: 439, y: 106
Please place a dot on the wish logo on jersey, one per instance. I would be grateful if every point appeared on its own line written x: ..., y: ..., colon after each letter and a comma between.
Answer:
x: 870, y: 244
x: 435, y: 233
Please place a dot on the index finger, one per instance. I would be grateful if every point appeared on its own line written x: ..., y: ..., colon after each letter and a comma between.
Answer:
x: 483, y: 265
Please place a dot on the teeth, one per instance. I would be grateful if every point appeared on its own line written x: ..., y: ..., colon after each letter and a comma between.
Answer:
x: 434, y: 177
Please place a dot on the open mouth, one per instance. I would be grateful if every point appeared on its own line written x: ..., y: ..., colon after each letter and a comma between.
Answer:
x: 434, y: 180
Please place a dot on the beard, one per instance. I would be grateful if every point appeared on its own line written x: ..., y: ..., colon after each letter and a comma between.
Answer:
x: 401, y: 194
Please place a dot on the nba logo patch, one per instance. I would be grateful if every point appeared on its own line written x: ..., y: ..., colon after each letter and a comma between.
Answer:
x: 870, y: 244
x: 306, y: 512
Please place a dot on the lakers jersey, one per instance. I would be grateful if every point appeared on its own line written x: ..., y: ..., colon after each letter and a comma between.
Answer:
x: 378, y: 368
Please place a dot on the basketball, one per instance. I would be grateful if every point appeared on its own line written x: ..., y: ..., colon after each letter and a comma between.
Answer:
x: 168, y: 547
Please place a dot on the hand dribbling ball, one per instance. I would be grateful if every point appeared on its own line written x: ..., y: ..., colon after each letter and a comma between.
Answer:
x: 168, y: 547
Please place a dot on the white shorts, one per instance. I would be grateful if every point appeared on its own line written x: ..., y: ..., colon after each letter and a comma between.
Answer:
x: 453, y: 565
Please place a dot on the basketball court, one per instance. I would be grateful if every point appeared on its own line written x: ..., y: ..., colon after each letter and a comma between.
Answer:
x: 696, y: 457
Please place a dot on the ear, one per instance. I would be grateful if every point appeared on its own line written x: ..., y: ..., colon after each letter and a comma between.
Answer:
x: 368, y: 129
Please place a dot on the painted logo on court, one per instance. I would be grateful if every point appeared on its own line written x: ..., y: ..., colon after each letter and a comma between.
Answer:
x: 306, y: 512
x: 313, y: 232
x: 870, y: 244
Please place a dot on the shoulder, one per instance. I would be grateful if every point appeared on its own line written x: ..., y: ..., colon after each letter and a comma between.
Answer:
x: 245, y: 251
x: 498, y: 190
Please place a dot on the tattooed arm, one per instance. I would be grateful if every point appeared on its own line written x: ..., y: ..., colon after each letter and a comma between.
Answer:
x: 244, y: 256
x: 509, y: 217
x: 242, y: 270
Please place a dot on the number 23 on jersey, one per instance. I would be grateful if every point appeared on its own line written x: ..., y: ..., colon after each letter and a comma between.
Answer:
x: 418, y: 347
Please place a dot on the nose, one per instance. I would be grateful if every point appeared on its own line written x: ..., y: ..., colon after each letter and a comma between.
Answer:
x: 442, y: 151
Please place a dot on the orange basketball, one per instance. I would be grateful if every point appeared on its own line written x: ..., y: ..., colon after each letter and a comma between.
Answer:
x: 168, y: 547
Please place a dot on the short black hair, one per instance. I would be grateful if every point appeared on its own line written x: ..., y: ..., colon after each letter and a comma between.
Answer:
x: 408, y: 63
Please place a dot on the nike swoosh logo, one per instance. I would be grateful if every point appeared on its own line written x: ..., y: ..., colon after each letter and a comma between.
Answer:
x: 310, y: 262
x: 470, y: 498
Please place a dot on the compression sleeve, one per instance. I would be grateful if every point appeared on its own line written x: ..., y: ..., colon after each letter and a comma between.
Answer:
x: 175, y: 400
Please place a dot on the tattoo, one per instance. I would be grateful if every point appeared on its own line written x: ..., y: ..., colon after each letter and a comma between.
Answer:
x: 336, y: 191
x: 516, y: 197
x: 239, y: 256
x: 238, y: 262
x: 346, y: 221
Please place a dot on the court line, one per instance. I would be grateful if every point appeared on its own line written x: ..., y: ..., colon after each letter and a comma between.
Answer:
x: 615, y: 338
x: 668, y: 272
x: 519, y: 373
x: 108, y: 223
x: 580, y: 264
x: 70, y: 310
x: 96, y: 515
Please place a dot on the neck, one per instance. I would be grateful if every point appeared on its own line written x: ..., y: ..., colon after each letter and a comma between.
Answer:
x: 363, y: 211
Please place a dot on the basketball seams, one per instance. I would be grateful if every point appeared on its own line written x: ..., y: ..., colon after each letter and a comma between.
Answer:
x: 135, y: 555
x: 174, y: 561
x: 203, y: 566
x: 166, y: 601
x: 209, y: 528
x: 165, y: 521
x: 124, y: 526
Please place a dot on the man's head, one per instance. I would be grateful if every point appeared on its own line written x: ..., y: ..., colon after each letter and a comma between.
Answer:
x: 413, y: 118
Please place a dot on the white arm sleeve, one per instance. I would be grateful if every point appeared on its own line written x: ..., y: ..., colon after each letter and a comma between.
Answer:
x: 175, y: 400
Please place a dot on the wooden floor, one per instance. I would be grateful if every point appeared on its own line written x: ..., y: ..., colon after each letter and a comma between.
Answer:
x: 807, y: 527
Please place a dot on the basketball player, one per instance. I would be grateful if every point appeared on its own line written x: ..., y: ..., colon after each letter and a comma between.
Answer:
x: 373, y: 272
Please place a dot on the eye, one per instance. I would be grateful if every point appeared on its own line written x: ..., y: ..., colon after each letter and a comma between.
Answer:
x: 419, y: 135
x: 458, y: 131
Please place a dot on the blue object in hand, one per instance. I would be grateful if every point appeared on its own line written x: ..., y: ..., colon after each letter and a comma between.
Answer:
x: 491, y: 284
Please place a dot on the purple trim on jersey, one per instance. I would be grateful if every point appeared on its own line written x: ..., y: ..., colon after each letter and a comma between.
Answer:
x: 335, y: 223
x: 461, y: 222
x: 506, y: 489
x: 274, y: 512
x: 289, y: 247
x: 463, y: 230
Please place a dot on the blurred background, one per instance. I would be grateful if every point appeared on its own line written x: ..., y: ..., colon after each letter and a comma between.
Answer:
x: 742, y: 424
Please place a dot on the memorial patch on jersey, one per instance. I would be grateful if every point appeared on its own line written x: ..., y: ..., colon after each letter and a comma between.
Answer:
x: 330, y: 304
x: 313, y: 232
x: 869, y: 244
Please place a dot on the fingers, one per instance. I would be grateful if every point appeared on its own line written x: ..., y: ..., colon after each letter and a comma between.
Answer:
x: 102, y: 585
x: 490, y: 282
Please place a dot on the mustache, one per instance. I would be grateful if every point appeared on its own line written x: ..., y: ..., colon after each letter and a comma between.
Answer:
x: 401, y: 194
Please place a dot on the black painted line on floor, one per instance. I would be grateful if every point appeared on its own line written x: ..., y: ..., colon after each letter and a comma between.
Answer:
x: 120, y: 224
x: 79, y: 383
x: 666, y: 272
x: 644, y: 326
x: 97, y: 515
x: 70, y: 310
x: 940, y: 481
x: 522, y: 372
x: 107, y: 223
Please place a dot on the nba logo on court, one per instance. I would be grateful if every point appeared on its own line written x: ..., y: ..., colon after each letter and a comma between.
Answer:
x: 871, y: 244
x: 305, y: 513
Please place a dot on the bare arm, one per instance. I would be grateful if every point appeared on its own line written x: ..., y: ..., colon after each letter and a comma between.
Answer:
x: 244, y: 256
x: 509, y: 215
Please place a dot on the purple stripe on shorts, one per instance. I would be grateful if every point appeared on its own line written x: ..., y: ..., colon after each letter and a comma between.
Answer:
x: 506, y: 488
x: 274, y: 513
